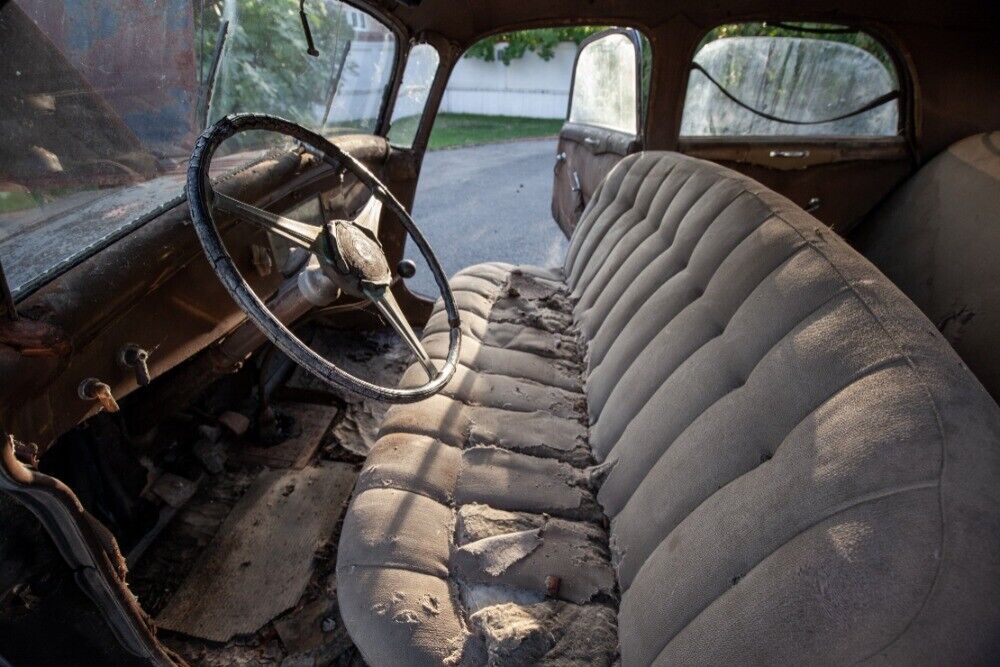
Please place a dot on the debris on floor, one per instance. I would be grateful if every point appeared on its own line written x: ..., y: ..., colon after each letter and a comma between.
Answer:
x: 376, y: 356
x: 174, y: 490
x: 259, y: 563
x: 309, y: 423
x: 305, y: 628
x: 243, y: 569
x: 170, y: 557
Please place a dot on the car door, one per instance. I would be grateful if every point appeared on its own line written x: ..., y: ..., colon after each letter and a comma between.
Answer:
x: 603, y: 121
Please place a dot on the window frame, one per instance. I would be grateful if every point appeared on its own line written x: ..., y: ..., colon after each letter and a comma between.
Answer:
x: 874, y: 147
x: 635, y: 36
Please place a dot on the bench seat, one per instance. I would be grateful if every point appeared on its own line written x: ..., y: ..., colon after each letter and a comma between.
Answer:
x: 717, y: 434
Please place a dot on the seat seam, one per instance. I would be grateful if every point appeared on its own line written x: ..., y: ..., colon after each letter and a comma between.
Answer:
x: 642, y: 220
x: 666, y: 245
x: 654, y: 225
x: 681, y: 270
x: 620, y: 195
x: 448, y: 502
x: 598, y: 200
x: 402, y: 568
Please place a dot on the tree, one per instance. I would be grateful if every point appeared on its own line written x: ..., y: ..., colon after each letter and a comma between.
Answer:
x: 265, y: 66
x: 515, y: 44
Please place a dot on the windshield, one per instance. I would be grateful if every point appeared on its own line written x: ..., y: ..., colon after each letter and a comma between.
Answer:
x: 100, y: 104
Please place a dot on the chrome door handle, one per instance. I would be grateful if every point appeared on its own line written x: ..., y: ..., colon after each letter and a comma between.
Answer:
x: 590, y: 141
x: 789, y: 153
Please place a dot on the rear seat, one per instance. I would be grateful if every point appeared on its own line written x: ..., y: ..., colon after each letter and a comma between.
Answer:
x: 715, y: 435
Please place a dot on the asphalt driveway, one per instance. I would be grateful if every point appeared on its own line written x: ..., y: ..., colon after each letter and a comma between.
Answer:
x: 487, y: 203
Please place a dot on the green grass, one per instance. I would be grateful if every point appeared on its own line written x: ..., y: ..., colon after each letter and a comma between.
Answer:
x: 455, y: 129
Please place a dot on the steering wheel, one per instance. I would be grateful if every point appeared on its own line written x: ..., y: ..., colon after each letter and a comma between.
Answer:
x: 348, y: 252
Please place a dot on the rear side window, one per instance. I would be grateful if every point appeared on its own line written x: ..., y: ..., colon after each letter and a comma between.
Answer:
x: 763, y: 79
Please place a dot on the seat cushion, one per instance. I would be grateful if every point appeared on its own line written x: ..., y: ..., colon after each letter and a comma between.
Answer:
x: 481, y: 497
x: 716, y: 432
x: 938, y: 238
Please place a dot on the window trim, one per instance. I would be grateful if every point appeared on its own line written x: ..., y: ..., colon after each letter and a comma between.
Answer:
x: 906, y: 110
x: 820, y: 150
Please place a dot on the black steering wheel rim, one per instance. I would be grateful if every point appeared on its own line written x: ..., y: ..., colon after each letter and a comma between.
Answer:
x: 199, y: 189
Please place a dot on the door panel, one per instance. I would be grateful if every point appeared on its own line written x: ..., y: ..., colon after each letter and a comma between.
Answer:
x: 585, y: 156
x: 604, y: 120
x: 837, y: 180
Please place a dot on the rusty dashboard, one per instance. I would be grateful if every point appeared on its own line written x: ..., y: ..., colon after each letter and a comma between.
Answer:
x: 152, y: 290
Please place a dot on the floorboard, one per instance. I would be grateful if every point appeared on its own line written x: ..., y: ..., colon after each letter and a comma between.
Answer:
x: 259, y: 563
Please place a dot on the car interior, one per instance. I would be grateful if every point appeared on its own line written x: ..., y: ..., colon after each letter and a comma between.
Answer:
x: 749, y: 418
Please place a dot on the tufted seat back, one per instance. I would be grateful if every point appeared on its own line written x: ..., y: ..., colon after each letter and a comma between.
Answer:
x: 800, y: 466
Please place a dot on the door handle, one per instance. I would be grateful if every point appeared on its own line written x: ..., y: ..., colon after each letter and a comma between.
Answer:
x: 799, y: 153
x: 592, y: 142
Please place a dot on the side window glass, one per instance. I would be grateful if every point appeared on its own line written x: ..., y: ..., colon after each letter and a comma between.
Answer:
x: 604, y: 85
x: 421, y: 66
x: 758, y: 79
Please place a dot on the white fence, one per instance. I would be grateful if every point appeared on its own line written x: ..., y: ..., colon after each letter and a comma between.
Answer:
x: 529, y: 86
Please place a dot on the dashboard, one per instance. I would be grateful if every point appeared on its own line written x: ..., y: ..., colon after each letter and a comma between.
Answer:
x: 152, y: 290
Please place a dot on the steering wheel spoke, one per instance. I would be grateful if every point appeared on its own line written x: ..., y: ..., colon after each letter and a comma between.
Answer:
x: 369, y: 215
x: 296, y: 232
x: 387, y: 305
x: 348, y: 253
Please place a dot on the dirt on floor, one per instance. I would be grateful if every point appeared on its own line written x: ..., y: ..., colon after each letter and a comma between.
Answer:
x: 214, y: 439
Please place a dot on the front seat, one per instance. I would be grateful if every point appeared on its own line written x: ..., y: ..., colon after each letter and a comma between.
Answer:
x: 716, y: 435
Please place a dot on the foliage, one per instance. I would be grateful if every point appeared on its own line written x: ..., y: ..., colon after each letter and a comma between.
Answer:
x: 265, y: 66
x: 515, y: 44
x: 266, y: 63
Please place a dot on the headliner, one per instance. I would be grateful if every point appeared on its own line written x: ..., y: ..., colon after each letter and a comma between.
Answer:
x: 466, y: 21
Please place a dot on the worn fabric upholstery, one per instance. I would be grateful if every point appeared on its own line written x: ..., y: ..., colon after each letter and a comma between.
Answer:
x: 938, y: 239
x: 716, y: 435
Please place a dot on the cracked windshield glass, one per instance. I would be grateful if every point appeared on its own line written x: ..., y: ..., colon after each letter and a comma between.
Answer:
x: 100, y: 104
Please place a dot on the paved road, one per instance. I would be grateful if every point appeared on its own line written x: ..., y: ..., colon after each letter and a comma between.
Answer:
x: 487, y: 203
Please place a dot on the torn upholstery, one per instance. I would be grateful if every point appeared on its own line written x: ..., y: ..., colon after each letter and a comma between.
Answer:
x: 716, y: 435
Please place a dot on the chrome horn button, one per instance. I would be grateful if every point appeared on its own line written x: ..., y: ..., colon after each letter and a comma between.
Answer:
x: 357, y: 257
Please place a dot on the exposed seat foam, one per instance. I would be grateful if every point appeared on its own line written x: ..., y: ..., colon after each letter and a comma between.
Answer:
x: 716, y: 435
